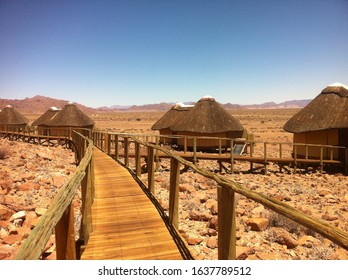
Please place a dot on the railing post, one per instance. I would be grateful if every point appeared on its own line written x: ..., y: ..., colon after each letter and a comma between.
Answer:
x: 126, y: 147
x: 346, y: 161
x: 156, y: 152
x: 295, y: 158
x: 227, y: 224
x: 251, y: 156
x: 150, y: 170
x: 86, y: 208
x: 195, y: 150
x: 107, y: 143
x: 117, y: 150
x: 174, y: 192
x: 137, y: 159
x: 321, y: 159
x: 265, y: 157
x: 232, y: 157
x: 65, y: 236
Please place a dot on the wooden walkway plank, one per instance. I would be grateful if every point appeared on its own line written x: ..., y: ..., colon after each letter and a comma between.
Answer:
x: 126, y: 225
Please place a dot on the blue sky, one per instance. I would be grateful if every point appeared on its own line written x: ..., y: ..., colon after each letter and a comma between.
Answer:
x: 125, y: 52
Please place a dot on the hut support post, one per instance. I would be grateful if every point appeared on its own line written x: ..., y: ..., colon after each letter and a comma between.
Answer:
x: 174, y: 192
x: 150, y: 170
x: 185, y: 144
x: 321, y: 159
x: 227, y: 224
x: 220, y: 146
x: 295, y: 158
x: 65, y: 236
x: 137, y: 159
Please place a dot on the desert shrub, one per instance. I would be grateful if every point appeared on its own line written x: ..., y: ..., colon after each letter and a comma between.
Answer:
x: 277, y: 220
x: 3, y: 152
x: 321, y: 253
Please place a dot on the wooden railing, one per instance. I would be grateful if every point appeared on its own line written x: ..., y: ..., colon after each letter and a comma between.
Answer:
x: 256, y: 152
x: 227, y: 189
x: 60, y: 214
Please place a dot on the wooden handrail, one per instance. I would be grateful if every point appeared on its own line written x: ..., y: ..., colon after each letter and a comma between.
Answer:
x: 33, y: 246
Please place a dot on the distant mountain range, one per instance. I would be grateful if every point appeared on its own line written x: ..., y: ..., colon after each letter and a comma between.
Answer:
x: 39, y: 104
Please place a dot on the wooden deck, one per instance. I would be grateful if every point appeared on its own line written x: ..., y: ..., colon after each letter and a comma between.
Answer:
x: 126, y: 224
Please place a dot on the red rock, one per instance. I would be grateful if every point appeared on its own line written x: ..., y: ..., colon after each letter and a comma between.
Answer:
x: 243, y: 252
x: 202, y: 196
x: 5, y: 212
x: 240, y: 210
x: 30, y: 218
x: 24, y: 232
x: 328, y: 217
x: 12, y: 239
x: 309, y: 241
x: 257, y: 224
x: 27, y: 176
x: 212, y: 242
x: 58, y: 181
x: 27, y: 186
x: 194, y: 241
x: 199, y: 216
x: 213, y: 223
x: 283, y: 237
x: 6, y: 251
x: 210, y: 202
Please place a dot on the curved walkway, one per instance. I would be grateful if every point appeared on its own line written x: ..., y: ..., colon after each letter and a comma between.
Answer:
x: 126, y: 225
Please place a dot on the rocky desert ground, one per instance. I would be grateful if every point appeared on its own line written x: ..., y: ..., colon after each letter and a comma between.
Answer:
x: 31, y: 175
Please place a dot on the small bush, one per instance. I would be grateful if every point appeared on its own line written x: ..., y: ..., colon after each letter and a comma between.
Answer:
x: 3, y: 152
x: 277, y: 220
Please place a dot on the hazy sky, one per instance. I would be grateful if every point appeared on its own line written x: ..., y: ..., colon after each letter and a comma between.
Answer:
x: 102, y: 53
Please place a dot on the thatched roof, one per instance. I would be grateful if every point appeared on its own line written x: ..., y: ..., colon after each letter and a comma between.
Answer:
x: 70, y: 116
x: 328, y: 110
x: 171, y: 117
x: 46, y: 117
x: 207, y: 116
x: 11, y: 116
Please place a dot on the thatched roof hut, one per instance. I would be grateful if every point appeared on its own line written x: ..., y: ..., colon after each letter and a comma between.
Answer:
x: 327, y: 111
x: 70, y: 116
x: 208, y: 116
x: 46, y: 117
x: 324, y: 121
x: 10, y: 117
x: 57, y: 123
x: 172, y: 116
x: 208, y: 119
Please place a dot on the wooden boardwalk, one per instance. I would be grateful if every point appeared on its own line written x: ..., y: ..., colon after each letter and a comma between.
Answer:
x: 125, y: 223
